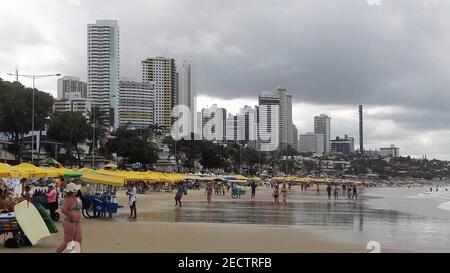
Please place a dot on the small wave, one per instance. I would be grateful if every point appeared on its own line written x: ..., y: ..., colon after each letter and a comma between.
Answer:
x: 445, y: 205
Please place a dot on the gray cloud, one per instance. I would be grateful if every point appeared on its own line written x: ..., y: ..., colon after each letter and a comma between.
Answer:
x: 326, y: 52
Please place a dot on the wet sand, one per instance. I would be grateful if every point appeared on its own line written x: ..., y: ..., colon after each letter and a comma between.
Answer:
x: 228, y: 225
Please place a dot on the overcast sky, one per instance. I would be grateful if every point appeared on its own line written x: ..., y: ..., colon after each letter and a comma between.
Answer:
x: 331, y: 56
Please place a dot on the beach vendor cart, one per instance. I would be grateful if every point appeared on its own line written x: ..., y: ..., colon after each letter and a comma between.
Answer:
x: 101, y: 199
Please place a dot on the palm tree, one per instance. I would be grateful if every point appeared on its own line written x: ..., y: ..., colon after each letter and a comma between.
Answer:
x: 99, y: 120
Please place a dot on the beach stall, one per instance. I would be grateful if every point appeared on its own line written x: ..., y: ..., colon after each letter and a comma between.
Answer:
x: 103, y: 201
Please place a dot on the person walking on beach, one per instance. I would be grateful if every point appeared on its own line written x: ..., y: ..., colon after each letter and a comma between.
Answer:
x: 355, y: 193
x: 132, y: 200
x: 318, y: 189
x: 178, y: 195
x: 223, y: 188
x: 284, y: 194
x: 329, y: 192
x: 52, y: 200
x: 208, y: 192
x: 336, y: 192
x: 71, y: 209
x: 253, y: 186
x: 275, y: 194
x: 349, y: 192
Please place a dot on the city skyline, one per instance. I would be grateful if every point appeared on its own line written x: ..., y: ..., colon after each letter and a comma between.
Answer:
x: 229, y: 71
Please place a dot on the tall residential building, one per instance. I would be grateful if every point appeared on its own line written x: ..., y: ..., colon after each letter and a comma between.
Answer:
x: 209, y: 123
x: 73, y: 86
x: 344, y: 145
x: 162, y: 72
x: 322, y: 126
x: 268, y: 122
x: 295, y: 137
x: 232, y: 128
x: 289, y: 123
x: 247, y: 127
x: 311, y: 142
x: 136, y: 103
x: 186, y: 93
x: 104, y: 67
x: 285, y: 115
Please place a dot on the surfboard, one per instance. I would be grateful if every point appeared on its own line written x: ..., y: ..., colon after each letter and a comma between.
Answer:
x: 47, y: 219
x: 31, y: 222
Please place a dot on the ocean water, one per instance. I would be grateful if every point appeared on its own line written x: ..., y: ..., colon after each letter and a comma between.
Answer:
x: 397, y: 218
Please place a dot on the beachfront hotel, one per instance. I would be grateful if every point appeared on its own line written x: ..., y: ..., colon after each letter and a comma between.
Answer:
x: 104, y: 67
x: 162, y: 72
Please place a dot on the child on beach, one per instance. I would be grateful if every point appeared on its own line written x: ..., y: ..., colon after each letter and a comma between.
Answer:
x: 179, y: 194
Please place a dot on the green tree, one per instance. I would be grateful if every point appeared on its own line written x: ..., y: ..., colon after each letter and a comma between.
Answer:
x: 71, y: 128
x: 16, y: 112
x: 128, y: 144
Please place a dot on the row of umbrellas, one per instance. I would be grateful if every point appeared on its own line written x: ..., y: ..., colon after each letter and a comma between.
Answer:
x: 107, y: 177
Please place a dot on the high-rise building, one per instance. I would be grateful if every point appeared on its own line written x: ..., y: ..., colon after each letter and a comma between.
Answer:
x: 73, y: 86
x: 232, y: 128
x: 247, y: 126
x: 268, y: 121
x: 186, y: 93
x: 312, y: 143
x: 322, y: 126
x: 209, y: 123
x: 136, y: 103
x: 162, y: 72
x: 104, y: 67
x: 285, y: 114
x: 295, y: 137
x: 344, y: 145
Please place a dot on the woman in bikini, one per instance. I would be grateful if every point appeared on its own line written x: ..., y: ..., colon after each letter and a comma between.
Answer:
x: 71, y: 208
x: 275, y: 194
x: 209, y: 190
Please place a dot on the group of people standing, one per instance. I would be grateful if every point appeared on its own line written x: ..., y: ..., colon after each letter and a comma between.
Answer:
x: 277, y: 192
x: 350, y: 190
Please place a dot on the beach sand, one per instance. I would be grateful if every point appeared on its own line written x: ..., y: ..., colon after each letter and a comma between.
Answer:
x: 146, y: 234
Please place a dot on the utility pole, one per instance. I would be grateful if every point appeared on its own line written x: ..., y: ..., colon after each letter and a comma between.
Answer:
x: 33, y: 77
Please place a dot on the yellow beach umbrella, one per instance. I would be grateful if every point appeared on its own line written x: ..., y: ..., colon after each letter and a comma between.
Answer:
x: 29, y: 171
x: 103, y: 179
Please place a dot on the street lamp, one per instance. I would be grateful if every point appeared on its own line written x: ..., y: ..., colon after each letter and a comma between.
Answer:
x: 32, y: 117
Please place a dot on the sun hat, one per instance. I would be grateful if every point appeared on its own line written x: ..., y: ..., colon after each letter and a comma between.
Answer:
x: 72, y: 187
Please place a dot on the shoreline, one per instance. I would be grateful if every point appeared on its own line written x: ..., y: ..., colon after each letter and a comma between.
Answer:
x: 151, y: 235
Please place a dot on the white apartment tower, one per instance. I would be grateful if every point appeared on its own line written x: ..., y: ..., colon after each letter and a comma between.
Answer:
x: 71, y: 86
x: 322, y: 126
x: 295, y: 137
x: 186, y: 93
x: 162, y: 72
x: 268, y: 121
x: 285, y: 116
x: 104, y: 67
